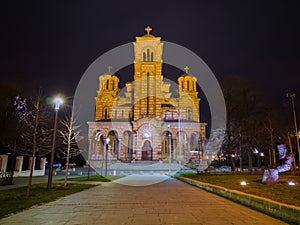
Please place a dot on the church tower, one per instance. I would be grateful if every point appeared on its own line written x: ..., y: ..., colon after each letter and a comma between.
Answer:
x: 107, y: 93
x: 188, y: 96
x: 147, y: 76
x: 146, y: 121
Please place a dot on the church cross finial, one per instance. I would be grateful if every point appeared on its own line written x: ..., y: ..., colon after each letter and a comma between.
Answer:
x: 148, y: 30
x: 186, y: 68
x: 109, y: 68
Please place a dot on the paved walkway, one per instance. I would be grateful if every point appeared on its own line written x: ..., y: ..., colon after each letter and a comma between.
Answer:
x: 167, y: 202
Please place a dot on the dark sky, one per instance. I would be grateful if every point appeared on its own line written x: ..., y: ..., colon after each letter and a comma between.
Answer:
x: 54, y: 42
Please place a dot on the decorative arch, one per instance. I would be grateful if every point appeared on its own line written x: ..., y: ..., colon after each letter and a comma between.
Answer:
x: 113, y: 145
x: 97, y: 146
x: 147, y: 150
x: 166, y: 145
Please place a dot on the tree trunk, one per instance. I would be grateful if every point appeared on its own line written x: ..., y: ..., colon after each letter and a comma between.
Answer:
x: 34, y: 144
x: 229, y: 145
x: 250, y: 158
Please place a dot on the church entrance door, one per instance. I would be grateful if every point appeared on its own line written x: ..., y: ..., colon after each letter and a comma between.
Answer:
x: 147, y: 151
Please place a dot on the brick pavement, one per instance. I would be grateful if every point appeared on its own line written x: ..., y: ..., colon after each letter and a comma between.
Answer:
x: 167, y: 202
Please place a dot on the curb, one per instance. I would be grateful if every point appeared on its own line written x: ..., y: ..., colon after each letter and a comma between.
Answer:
x: 287, y: 213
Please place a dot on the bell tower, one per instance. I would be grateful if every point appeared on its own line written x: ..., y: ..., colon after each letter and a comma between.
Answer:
x: 147, y: 76
x: 108, y: 91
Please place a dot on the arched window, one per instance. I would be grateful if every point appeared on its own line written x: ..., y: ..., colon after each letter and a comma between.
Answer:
x: 187, y: 85
x: 113, y: 85
x: 189, y: 114
x: 148, y: 54
x: 107, y: 83
x: 193, y: 141
x: 105, y: 113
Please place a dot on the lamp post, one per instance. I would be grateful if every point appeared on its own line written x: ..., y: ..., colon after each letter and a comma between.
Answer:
x: 292, y: 96
x: 57, y: 101
x: 199, y: 149
x: 170, y: 160
x: 261, y: 158
x: 106, y: 154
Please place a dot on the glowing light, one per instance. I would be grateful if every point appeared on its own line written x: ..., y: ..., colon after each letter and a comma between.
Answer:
x: 291, y: 183
x: 147, y: 134
x: 57, y: 101
x: 262, y: 154
x: 243, y: 183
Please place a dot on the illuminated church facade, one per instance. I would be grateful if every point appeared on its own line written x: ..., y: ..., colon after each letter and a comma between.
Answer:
x: 145, y: 120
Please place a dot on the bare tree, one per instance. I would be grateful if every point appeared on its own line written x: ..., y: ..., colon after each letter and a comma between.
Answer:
x: 35, y: 131
x: 229, y: 128
x: 70, y: 135
x: 244, y: 117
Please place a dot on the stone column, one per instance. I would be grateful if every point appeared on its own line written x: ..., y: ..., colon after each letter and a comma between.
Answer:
x: 30, y: 160
x: 3, y: 163
x: 89, y: 155
x: 134, y: 145
x: 19, y: 163
x: 120, y: 149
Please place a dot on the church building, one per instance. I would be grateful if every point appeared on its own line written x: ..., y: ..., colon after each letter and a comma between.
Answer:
x: 145, y: 120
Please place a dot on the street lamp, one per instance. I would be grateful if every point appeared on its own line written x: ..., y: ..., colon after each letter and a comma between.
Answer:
x: 57, y: 101
x: 106, y: 154
x: 292, y: 96
x: 256, y: 152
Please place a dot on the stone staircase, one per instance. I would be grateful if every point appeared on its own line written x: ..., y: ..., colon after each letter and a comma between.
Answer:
x: 139, y: 166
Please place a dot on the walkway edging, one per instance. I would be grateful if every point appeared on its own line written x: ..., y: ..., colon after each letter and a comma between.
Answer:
x: 288, y: 213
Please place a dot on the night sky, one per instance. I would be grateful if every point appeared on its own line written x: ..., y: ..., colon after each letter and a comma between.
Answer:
x: 54, y: 42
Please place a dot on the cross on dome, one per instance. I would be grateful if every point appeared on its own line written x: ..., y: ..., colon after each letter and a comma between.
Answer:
x: 148, y: 30
x: 186, y: 68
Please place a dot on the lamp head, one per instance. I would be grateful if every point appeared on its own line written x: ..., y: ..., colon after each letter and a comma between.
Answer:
x: 57, y: 101
x: 107, y: 140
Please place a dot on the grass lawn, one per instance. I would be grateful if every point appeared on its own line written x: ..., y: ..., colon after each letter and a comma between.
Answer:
x: 90, y: 178
x: 14, y: 200
x: 280, y: 192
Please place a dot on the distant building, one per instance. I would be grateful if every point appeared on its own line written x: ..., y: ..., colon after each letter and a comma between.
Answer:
x: 146, y: 121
